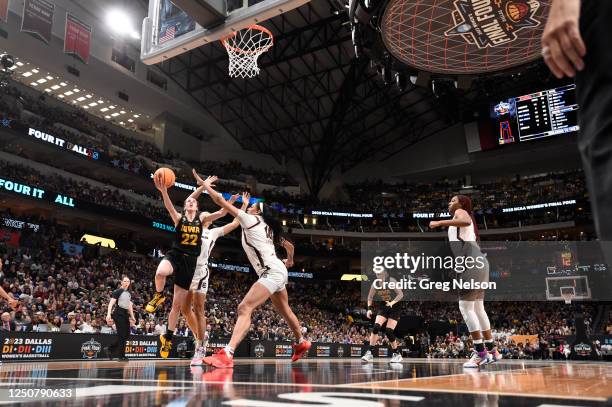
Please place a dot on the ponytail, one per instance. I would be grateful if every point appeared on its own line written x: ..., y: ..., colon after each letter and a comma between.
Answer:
x: 466, y: 205
x: 270, y: 217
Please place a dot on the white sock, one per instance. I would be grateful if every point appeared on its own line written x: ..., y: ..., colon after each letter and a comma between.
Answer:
x: 301, y: 339
x: 198, y: 343
x: 229, y: 351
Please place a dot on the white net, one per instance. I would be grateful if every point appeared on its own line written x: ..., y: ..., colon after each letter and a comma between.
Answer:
x: 244, y: 48
x: 568, y: 293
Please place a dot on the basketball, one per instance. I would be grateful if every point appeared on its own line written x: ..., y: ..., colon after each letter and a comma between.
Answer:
x: 167, y: 176
x: 517, y: 11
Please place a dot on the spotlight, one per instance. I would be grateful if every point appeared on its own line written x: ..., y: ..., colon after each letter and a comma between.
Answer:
x: 7, y: 61
x: 400, y: 81
x: 119, y: 22
x: 387, y: 74
x: 442, y: 87
x: 356, y: 37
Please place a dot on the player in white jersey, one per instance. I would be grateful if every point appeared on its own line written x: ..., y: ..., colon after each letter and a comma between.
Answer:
x: 462, y: 230
x: 261, y: 233
x: 199, y: 284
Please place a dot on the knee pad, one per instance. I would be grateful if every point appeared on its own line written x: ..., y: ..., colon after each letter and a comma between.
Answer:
x: 390, y: 334
x: 469, y: 315
x: 481, y: 314
x: 377, y: 328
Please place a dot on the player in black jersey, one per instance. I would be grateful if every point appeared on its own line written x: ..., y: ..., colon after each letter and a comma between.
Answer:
x: 180, y: 260
x: 386, y: 312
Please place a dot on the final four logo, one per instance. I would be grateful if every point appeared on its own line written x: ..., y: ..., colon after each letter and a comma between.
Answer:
x: 490, y: 23
x: 582, y: 349
x: 259, y: 350
x: 90, y: 349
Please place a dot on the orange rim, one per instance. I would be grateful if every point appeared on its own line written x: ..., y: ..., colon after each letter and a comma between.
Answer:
x: 244, y: 51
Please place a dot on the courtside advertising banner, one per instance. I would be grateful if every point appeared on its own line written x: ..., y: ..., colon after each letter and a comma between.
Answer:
x: 77, y: 39
x: 4, y: 10
x: 38, y: 18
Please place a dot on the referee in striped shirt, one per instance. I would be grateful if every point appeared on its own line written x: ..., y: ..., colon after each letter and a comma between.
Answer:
x: 123, y: 316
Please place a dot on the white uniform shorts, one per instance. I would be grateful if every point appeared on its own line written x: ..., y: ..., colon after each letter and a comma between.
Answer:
x: 199, y: 283
x: 274, y: 279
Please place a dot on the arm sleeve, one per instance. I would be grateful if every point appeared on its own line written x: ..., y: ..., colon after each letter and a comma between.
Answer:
x: 245, y: 219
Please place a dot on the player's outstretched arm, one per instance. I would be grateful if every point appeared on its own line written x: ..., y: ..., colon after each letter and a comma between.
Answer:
x: 167, y: 201
x: 218, y: 198
x: 221, y: 212
x: 246, y: 198
x: 196, y: 194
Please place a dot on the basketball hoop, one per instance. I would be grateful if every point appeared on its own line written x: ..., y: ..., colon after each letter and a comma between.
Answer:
x: 244, y: 47
x: 568, y: 293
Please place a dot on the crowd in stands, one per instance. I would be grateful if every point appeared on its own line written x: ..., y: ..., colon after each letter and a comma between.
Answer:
x: 392, y: 204
x: 66, y: 292
x: 103, y: 196
x: 411, y: 197
x: 451, y: 346
x: 126, y: 152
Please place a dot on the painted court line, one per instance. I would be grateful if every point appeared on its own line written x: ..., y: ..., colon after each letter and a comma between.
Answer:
x: 335, y: 386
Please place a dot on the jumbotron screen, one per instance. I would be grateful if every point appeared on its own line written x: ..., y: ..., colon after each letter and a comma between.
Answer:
x: 535, y: 116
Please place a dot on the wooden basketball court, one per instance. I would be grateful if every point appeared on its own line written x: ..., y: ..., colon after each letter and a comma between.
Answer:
x: 331, y: 382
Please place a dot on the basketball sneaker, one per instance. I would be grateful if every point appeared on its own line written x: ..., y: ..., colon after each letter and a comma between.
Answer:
x: 494, y: 356
x: 220, y: 359
x: 157, y: 300
x: 396, y: 358
x: 199, y: 354
x: 299, y: 350
x: 166, y: 346
x: 476, y: 360
x: 368, y: 357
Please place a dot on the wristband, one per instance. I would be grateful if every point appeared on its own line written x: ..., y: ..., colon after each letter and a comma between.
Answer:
x: 370, y: 307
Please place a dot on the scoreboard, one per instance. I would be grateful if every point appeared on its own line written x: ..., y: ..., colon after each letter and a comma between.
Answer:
x: 537, y: 115
x: 547, y: 113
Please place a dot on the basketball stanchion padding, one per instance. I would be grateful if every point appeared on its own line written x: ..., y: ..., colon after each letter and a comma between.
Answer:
x: 244, y: 48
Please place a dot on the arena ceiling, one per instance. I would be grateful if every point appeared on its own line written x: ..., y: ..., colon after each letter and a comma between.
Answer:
x: 315, y: 103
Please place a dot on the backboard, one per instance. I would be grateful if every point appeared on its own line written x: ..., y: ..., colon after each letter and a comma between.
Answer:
x: 168, y: 31
x: 558, y: 287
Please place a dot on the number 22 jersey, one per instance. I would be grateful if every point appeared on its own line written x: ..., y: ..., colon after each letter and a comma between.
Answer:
x: 188, y: 237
